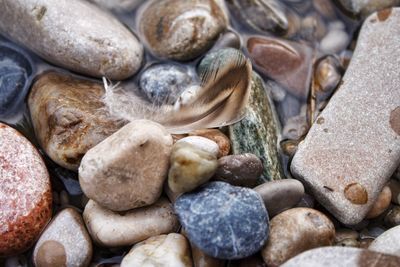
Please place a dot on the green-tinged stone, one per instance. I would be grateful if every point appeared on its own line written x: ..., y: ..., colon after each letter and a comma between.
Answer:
x: 257, y: 133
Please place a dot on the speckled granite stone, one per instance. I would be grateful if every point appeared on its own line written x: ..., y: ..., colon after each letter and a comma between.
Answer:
x: 354, y: 146
x: 343, y: 257
x: 224, y: 221
x: 257, y: 132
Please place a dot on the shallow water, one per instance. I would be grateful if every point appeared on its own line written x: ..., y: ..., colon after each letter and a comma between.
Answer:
x: 66, y: 181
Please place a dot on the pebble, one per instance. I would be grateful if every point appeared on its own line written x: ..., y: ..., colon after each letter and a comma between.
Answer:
x: 118, y: 5
x: 257, y: 133
x: 112, y: 229
x: 127, y: 170
x: 288, y: 63
x: 392, y: 218
x: 388, y: 242
x: 15, y: 70
x: 164, y: 83
x: 280, y: 195
x: 342, y: 256
x: 161, y: 250
x: 202, y: 143
x: 344, y: 174
x: 394, y: 186
x: 218, y: 137
x: 65, y: 242
x: 295, y: 231
x: 224, y: 221
x: 348, y: 242
x: 25, y: 193
x: 381, y: 204
x: 181, y: 29
x: 327, y: 74
x: 240, y: 170
x: 191, y: 167
x: 75, y: 35
x: 335, y: 41
x: 366, y: 7
x: 69, y: 117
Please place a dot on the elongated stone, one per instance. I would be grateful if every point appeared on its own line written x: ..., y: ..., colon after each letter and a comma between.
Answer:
x: 73, y: 34
x: 257, y: 132
x: 343, y: 257
x: 354, y: 146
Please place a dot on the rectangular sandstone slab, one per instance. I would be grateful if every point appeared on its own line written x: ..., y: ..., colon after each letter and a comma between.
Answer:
x: 354, y: 146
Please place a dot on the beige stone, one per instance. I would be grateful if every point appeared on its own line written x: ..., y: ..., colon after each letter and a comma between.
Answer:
x: 381, y: 204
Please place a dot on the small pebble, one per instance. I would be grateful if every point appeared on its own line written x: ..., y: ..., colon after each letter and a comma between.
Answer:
x: 280, y: 195
x: 127, y: 170
x: 191, y: 167
x: 335, y: 41
x: 163, y: 250
x: 224, y: 221
x: 65, y: 242
x: 392, y: 218
x: 203, y: 143
x: 111, y: 229
x: 349, y: 242
x: 295, y: 231
x: 218, y: 137
x: 381, y: 204
x: 240, y: 170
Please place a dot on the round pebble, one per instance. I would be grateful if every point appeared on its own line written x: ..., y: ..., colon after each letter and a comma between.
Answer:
x: 240, y: 170
x: 224, y: 221
x: 25, y: 193
x: 181, y: 29
x: 164, y: 83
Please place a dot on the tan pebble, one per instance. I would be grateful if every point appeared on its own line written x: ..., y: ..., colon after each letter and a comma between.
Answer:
x: 381, y: 204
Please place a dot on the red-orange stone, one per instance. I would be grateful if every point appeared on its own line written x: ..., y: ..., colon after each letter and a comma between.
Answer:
x: 25, y: 193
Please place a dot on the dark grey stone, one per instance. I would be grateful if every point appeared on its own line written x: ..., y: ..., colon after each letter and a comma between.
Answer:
x: 224, y: 221
x: 15, y: 70
x: 164, y: 83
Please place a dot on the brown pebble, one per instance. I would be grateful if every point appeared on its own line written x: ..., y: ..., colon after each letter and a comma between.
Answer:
x: 51, y: 253
x: 395, y: 120
x: 356, y: 194
x: 381, y: 204
x: 218, y: 137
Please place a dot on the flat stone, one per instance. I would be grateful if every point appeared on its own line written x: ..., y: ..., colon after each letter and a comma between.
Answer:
x: 25, y: 193
x: 257, y: 133
x: 111, y: 229
x: 181, y: 29
x: 224, y: 221
x: 127, y: 170
x: 162, y: 250
x: 388, y: 242
x: 280, y: 195
x: 190, y: 167
x: 73, y: 34
x: 295, y: 231
x: 354, y: 147
x: 344, y: 257
x: 366, y: 7
x: 240, y: 170
x: 15, y: 69
x: 65, y: 242
x: 69, y: 117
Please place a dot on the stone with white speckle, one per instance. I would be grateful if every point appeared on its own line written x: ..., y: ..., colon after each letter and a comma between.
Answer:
x: 65, y: 242
x: 354, y: 146
x: 224, y: 221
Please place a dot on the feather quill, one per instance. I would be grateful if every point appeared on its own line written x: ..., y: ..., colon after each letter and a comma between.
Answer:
x: 221, y: 99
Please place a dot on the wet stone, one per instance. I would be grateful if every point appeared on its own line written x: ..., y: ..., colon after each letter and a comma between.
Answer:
x: 224, y: 221
x: 181, y: 29
x: 65, y: 242
x: 257, y: 133
x: 288, y: 63
x: 280, y: 195
x: 164, y: 83
x: 240, y: 170
x: 25, y: 193
x: 15, y: 70
x: 127, y: 170
x: 344, y: 257
x: 345, y: 175
x: 69, y: 117
x: 295, y: 231
x: 388, y: 242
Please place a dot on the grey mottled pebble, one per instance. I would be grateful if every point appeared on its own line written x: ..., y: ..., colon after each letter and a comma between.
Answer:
x: 224, y: 221
x: 164, y: 83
